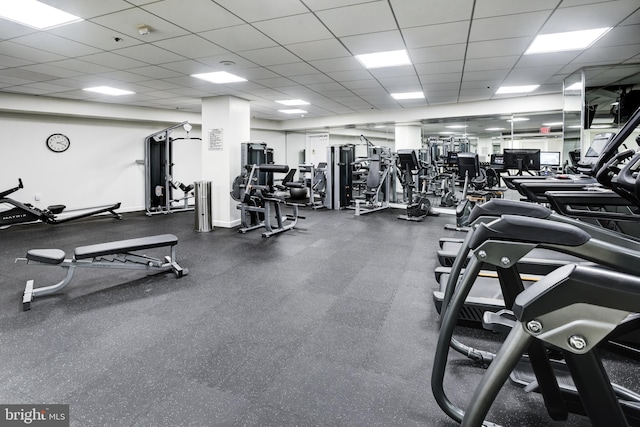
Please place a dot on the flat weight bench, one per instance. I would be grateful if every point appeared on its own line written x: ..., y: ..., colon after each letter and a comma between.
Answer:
x: 120, y: 253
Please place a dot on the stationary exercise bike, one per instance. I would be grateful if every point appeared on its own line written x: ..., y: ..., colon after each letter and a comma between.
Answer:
x: 20, y: 213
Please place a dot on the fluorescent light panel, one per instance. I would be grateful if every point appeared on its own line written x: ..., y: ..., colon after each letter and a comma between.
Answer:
x: 34, y: 14
x: 219, y: 77
x: 571, y: 40
x: 292, y: 102
x: 408, y: 95
x: 456, y: 127
x: 518, y: 119
x: 391, y: 58
x: 516, y: 89
x: 494, y: 129
x: 553, y: 124
x: 293, y: 111
x: 106, y: 90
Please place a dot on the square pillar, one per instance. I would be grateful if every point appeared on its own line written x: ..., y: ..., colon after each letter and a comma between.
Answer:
x: 226, y: 123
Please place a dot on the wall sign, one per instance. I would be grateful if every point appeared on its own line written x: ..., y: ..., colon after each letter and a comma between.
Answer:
x: 215, y: 139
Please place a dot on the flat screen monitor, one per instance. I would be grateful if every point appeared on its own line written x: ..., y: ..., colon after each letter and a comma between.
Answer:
x: 522, y: 159
x: 497, y: 161
x: 468, y: 164
x: 550, y: 158
x: 452, y: 158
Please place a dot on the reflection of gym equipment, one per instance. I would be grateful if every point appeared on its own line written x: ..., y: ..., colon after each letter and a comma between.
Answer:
x: 259, y: 202
x: 20, y: 213
x: 339, y: 175
x: 418, y: 205
x: 313, y: 187
x: 378, y: 188
x: 159, y: 182
x: 121, y: 255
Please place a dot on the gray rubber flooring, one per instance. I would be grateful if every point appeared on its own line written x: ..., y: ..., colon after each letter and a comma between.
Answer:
x: 330, y: 324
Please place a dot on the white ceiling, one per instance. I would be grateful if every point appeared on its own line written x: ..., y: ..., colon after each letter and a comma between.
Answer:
x: 462, y: 50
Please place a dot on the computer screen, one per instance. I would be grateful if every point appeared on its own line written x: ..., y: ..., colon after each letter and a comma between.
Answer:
x: 550, y: 158
x: 526, y: 159
x: 497, y: 161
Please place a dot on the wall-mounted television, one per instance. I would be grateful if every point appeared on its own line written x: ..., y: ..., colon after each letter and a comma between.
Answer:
x: 522, y: 159
x: 550, y: 158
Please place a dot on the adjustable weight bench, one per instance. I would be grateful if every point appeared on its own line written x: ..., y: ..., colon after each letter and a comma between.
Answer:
x: 120, y: 254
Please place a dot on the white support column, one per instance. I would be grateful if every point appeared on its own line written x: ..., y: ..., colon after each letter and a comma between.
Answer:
x: 408, y: 136
x: 226, y: 123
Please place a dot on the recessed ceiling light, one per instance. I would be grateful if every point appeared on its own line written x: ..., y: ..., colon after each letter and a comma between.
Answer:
x: 446, y: 133
x: 391, y: 58
x: 553, y: 124
x: 293, y: 111
x: 518, y: 119
x: 292, y: 102
x: 494, y: 129
x: 34, y: 14
x: 571, y: 40
x: 516, y: 89
x: 106, y: 90
x: 219, y: 77
x: 408, y: 95
x: 456, y: 127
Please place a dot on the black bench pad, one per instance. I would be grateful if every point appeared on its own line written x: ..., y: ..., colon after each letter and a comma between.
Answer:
x: 46, y: 256
x: 121, y: 246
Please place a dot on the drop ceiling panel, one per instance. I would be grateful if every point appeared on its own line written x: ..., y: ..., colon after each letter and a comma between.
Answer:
x: 94, y: 35
x: 440, y: 67
x: 149, y: 53
x: 238, y: 38
x: 55, y: 44
x: 270, y: 56
x: 503, y: 27
x: 485, y: 64
x: 89, y: 9
x: 619, y: 36
x: 346, y: 76
x: 294, y: 29
x: 548, y: 59
x: 330, y: 4
x: 9, y: 30
x: 610, y: 54
x: 319, y: 49
x: 448, y: 52
x: 190, y: 46
x: 337, y: 64
x: 436, y: 35
x: 487, y: 9
x: 584, y: 17
x: 374, y: 42
x: 414, y: 13
x: 196, y: 15
x: 252, y: 11
x: 112, y: 60
x: 348, y: 21
x: 293, y: 69
x: 440, y: 78
x: 52, y: 70
x: 128, y: 22
x: 492, y: 48
x: 10, y: 62
x: 155, y: 72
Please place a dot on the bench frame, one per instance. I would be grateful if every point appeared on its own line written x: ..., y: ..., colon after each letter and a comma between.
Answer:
x: 120, y: 258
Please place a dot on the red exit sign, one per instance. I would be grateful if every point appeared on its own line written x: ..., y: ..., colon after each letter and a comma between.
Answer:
x: 545, y: 130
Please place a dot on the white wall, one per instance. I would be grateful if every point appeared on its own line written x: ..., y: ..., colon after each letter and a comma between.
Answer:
x: 99, y: 167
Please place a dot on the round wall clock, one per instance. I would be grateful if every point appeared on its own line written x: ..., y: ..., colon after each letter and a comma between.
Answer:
x: 58, y: 143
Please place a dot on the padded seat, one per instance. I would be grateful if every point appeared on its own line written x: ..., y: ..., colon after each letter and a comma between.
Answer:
x: 46, y: 256
x: 121, y: 246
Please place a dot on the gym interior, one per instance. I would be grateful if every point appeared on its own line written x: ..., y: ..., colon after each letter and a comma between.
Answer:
x: 317, y: 239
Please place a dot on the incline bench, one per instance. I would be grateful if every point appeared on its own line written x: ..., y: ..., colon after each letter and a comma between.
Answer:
x: 121, y: 256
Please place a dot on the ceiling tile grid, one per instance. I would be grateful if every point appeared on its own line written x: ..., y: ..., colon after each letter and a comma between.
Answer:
x: 461, y: 50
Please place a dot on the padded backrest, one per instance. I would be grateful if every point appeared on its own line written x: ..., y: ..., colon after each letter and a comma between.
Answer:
x: 373, y: 177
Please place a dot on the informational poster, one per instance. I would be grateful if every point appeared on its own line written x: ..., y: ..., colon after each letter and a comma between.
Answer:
x: 215, y: 139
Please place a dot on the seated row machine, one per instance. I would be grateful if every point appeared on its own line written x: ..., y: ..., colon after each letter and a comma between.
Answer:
x: 121, y: 255
x: 258, y: 203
